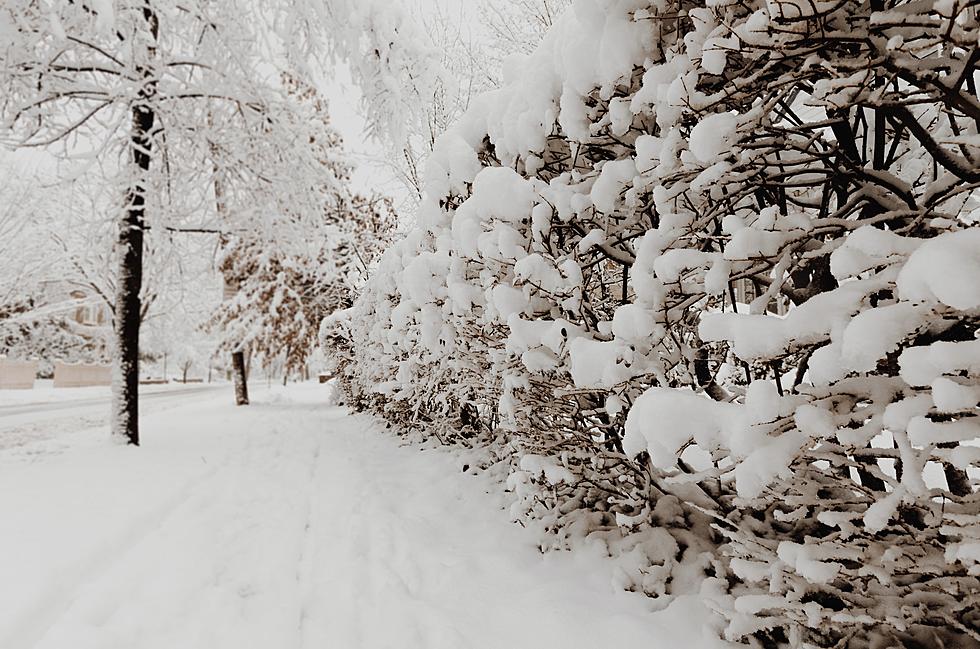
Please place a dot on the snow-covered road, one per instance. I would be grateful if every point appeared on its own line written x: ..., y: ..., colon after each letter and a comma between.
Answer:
x: 44, y: 408
x: 285, y: 525
x: 27, y: 416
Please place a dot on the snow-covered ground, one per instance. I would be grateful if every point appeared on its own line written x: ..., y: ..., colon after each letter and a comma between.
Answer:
x: 289, y: 524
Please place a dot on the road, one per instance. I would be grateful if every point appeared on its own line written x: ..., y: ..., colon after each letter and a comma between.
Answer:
x: 46, y: 407
x: 22, y: 423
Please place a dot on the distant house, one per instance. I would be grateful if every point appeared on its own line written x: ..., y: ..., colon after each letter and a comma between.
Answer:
x: 92, y: 313
x: 85, y: 311
x: 746, y: 290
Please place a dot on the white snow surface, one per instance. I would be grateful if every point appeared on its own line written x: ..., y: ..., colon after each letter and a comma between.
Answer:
x: 291, y: 523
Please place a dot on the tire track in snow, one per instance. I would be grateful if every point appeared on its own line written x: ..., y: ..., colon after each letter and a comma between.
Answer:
x: 51, y: 423
x: 325, y: 524
x: 305, y: 564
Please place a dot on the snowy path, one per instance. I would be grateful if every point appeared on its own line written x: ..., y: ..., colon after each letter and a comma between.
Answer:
x: 286, y: 525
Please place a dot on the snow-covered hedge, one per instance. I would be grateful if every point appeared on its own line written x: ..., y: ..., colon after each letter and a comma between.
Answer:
x: 723, y: 253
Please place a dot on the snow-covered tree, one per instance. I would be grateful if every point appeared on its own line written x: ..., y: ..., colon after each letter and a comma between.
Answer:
x: 301, y: 261
x: 48, y: 337
x: 164, y: 97
x: 34, y: 320
x: 24, y: 252
x: 467, y: 50
x: 391, y: 61
x: 284, y: 291
x: 577, y: 285
x: 514, y: 28
x: 174, y: 340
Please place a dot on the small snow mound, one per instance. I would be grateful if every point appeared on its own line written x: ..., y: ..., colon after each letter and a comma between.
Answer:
x: 944, y: 269
x: 712, y: 137
x: 549, y: 467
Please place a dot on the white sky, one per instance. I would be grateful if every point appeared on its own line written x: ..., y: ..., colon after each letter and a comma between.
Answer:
x: 344, y: 104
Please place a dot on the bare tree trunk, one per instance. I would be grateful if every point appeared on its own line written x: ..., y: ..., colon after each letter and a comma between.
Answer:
x: 238, y: 371
x: 126, y: 328
x: 241, y: 381
x: 285, y: 367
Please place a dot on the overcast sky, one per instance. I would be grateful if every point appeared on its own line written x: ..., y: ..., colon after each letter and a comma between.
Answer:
x: 344, y: 100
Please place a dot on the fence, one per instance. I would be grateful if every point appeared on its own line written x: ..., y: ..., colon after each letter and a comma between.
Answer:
x: 79, y: 375
x: 17, y: 375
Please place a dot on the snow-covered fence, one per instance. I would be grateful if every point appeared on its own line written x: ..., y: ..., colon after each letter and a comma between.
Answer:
x: 79, y: 375
x: 572, y: 285
x: 17, y: 375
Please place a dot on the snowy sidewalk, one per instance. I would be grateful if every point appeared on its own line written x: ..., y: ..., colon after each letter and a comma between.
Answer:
x: 287, y: 525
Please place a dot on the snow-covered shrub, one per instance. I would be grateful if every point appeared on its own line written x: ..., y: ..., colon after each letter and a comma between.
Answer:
x: 577, y: 285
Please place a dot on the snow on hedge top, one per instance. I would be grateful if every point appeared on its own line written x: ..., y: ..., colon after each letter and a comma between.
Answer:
x: 757, y: 336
